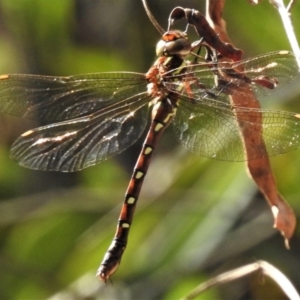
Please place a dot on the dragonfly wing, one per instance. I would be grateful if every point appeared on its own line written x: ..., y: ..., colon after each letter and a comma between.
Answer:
x: 53, y: 99
x: 210, y: 129
x: 262, y: 75
x: 82, y: 142
x: 267, y: 72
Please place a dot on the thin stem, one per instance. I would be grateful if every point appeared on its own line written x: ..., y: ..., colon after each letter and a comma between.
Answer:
x: 285, y: 16
x: 290, y: 5
x: 260, y: 266
x: 152, y: 19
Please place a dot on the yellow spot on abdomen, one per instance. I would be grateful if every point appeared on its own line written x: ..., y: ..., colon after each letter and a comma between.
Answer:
x: 158, y: 127
x: 139, y: 175
x: 130, y: 200
x: 148, y: 150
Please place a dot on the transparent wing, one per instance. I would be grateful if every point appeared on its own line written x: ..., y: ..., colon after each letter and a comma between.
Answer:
x: 211, y: 130
x: 82, y: 142
x: 262, y: 75
x: 53, y: 99
x: 206, y: 123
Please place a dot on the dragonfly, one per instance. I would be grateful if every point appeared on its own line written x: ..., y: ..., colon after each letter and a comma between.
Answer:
x: 90, y: 118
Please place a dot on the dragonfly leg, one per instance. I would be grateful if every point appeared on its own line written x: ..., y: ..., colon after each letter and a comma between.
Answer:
x: 202, y: 27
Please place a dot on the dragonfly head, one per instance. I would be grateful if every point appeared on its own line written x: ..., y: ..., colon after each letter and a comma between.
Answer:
x: 173, y: 43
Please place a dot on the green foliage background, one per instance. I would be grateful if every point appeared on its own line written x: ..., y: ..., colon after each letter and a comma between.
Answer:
x: 196, y: 217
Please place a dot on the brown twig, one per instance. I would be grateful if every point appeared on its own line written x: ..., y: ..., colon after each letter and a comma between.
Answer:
x: 260, y: 168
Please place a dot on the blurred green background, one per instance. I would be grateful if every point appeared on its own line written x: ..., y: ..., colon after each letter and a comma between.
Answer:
x: 196, y: 217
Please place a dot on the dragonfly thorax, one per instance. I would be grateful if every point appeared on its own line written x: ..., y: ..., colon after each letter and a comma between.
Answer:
x: 173, y: 43
x: 155, y: 75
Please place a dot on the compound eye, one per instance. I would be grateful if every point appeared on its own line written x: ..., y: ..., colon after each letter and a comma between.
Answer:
x: 160, y: 48
x: 181, y: 47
